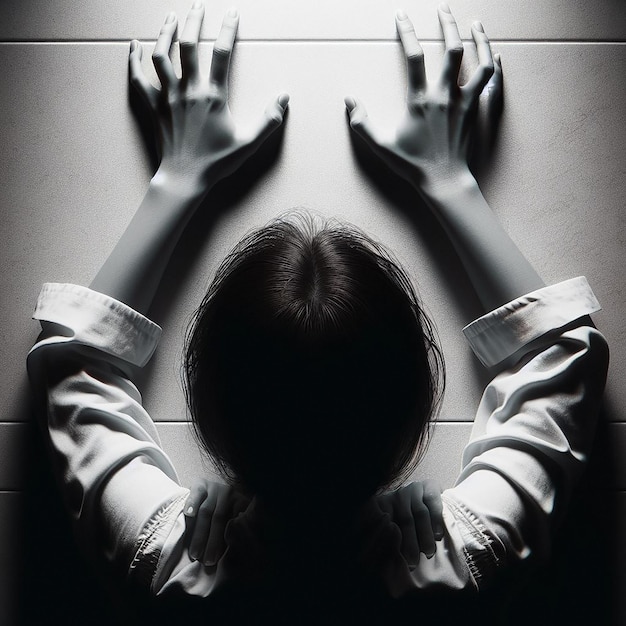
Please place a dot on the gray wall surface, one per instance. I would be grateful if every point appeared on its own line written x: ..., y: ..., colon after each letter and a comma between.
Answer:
x: 74, y: 167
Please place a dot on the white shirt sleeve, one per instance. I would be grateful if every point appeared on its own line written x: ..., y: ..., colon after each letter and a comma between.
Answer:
x: 535, y: 423
x: 114, y: 473
x: 532, y: 433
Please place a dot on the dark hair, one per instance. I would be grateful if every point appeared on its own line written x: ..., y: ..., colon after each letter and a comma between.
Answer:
x: 310, y: 365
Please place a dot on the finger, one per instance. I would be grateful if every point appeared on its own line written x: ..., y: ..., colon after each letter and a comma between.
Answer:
x: 494, y: 87
x: 161, y: 55
x: 454, y: 48
x: 222, y: 51
x: 474, y: 87
x: 432, y: 500
x: 202, y: 528
x: 197, y: 495
x: 271, y: 120
x: 188, y: 43
x: 404, y: 518
x: 137, y: 77
x: 413, y: 52
x: 240, y: 504
x: 221, y: 516
x: 360, y: 123
x: 385, y: 504
x: 423, y: 526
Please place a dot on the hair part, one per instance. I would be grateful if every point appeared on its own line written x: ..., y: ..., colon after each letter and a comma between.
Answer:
x: 310, y: 364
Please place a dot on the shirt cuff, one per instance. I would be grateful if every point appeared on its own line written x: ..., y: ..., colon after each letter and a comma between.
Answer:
x: 502, y: 332
x: 99, y: 321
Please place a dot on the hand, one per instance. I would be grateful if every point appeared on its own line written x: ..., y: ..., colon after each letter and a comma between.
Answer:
x: 430, y: 147
x: 197, y: 137
x: 209, y: 508
x: 410, y: 518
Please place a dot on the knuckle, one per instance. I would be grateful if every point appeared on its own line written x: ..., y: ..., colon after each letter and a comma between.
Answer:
x: 191, y: 98
x: 421, y: 515
x: 216, y: 101
x: 431, y: 485
x: 394, y: 533
x: 417, y: 106
x: 206, y: 508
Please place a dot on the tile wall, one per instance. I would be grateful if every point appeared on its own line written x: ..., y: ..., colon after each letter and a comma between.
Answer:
x: 73, y: 169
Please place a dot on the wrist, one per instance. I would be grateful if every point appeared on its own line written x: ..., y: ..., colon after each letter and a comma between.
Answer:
x: 443, y: 188
x: 180, y: 188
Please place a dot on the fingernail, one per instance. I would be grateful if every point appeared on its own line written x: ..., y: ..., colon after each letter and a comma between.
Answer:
x: 283, y: 100
x: 479, y: 27
x: 170, y: 18
x: 197, y: 4
x: 444, y: 7
x: 233, y: 12
x: 133, y: 45
x: 189, y: 511
x: 350, y: 103
x: 209, y: 563
x: 430, y: 556
x: 401, y: 15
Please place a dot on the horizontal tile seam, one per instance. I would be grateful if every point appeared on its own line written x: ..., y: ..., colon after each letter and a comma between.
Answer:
x: 608, y: 42
x: 156, y: 421
x: 26, y: 491
x: 441, y: 421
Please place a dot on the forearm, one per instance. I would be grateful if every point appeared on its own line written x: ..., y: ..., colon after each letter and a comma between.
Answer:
x: 199, y: 144
x: 134, y: 268
x: 497, y: 269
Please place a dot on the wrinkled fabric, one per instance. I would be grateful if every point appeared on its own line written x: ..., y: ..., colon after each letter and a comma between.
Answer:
x: 531, y: 437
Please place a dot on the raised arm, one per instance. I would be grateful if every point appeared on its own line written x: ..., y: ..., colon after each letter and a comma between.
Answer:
x: 535, y: 423
x: 430, y: 149
x: 199, y: 144
x: 121, y: 488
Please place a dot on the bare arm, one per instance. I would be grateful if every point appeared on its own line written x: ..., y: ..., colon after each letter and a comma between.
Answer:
x: 199, y: 145
x: 430, y: 149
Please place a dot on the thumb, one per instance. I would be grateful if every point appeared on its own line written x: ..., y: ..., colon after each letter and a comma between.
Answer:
x: 360, y: 122
x: 270, y: 121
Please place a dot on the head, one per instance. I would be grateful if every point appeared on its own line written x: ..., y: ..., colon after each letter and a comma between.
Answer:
x: 311, y: 369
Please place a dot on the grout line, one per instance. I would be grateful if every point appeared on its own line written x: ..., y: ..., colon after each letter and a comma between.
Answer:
x: 25, y: 490
x: 320, y: 41
x: 438, y: 421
